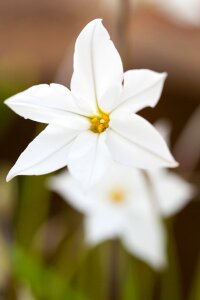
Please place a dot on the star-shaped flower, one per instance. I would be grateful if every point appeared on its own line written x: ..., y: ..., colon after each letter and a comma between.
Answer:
x: 95, y: 122
x: 117, y: 207
x: 128, y: 204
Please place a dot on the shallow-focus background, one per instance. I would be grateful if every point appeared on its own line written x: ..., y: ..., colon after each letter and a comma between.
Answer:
x: 42, y: 251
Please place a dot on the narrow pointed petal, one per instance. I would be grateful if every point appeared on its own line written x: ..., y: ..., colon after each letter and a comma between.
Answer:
x: 89, y: 158
x: 97, y: 66
x: 142, y: 88
x: 48, y: 104
x: 71, y: 191
x: 46, y: 153
x: 103, y: 226
x: 171, y: 191
x: 164, y: 128
x: 144, y: 236
x: 135, y: 142
x: 110, y: 98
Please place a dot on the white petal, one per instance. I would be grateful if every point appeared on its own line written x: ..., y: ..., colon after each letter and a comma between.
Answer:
x: 134, y: 142
x: 103, y: 226
x: 83, y: 200
x: 48, y: 104
x: 171, y: 191
x: 122, y: 177
x: 71, y: 191
x: 46, y: 153
x: 97, y: 66
x: 142, y: 88
x: 89, y: 158
x: 164, y: 128
x: 144, y: 236
x: 110, y: 98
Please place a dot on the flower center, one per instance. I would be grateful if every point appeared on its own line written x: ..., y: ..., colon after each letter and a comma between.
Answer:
x: 99, y: 123
x: 117, y: 196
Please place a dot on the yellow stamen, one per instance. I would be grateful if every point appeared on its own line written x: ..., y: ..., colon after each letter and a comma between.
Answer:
x: 100, y: 128
x: 99, y: 123
x: 117, y: 196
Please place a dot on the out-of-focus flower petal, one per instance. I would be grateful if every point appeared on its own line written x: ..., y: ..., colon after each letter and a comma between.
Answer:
x: 71, y: 191
x: 46, y: 153
x: 144, y: 236
x: 171, y: 191
x: 103, y: 226
x: 97, y: 66
x: 183, y: 11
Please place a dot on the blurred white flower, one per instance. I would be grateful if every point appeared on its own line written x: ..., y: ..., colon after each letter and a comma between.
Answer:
x: 118, y: 207
x: 128, y: 204
x: 180, y: 10
x: 96, y: 122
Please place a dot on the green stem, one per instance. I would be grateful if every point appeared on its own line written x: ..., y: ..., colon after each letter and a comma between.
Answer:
x: 114, y: 271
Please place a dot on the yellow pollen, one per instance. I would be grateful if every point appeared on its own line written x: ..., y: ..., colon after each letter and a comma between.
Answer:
x: 99, y: 123
x: 117, y: 196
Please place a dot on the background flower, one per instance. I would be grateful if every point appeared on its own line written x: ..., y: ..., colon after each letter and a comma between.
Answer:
x: 128, y: 204
x: 118, y: 207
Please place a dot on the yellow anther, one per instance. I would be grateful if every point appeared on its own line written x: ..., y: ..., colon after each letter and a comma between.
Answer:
x: 99, y: 123
x: 105, y: 117
x: 100, y: 128
x: 94, y: 120
x: 117, y: 196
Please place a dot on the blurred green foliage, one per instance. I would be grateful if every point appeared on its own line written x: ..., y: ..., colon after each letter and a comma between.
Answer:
x: 44, y: 282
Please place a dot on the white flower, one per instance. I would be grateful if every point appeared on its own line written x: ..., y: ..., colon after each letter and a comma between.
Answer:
x: 117, y: 207
x: 187, y: 10
x: 180, y: 10
x: 95, y: 122
x: 127, y: 205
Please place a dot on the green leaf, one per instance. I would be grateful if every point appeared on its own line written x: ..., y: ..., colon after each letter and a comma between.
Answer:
x: 32, y: 209
x: 45, y: 283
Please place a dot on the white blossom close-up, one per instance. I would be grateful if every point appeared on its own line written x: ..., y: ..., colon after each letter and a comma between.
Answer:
x: 96, y: 122
x: 128, y: 204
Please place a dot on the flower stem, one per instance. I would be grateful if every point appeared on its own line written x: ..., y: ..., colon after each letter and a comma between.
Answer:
x: 122, y: 29
x: 114, y: 271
